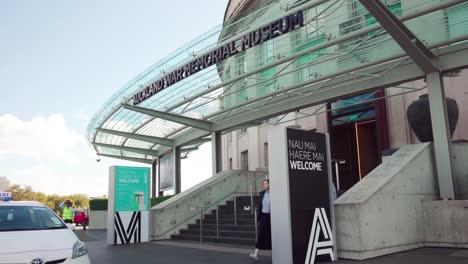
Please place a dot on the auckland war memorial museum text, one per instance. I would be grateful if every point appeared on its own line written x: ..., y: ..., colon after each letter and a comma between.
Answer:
x: 251, y: 39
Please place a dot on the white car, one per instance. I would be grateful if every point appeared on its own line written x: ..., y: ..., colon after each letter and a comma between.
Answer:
x: 31, y: 233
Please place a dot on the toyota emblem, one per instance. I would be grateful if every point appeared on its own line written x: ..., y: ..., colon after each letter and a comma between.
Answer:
x: 37, y: 261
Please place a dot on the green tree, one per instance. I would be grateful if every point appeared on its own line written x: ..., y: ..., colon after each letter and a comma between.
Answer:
x: 53, y: 201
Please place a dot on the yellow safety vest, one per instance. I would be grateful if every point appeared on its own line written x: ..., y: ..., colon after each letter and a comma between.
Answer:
x: 67, y: 213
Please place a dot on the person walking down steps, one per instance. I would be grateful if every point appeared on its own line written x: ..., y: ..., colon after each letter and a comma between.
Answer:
x: 264, y: 222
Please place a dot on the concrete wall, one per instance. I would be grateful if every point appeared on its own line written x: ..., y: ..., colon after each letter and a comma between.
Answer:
x: 97, y: 219
x: 460, y: 169
x: 445, y: 223
x: 382, y: 214
x: 395, y: 207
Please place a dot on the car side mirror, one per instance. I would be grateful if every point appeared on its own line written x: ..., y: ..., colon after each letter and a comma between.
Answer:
x: 70, y: 226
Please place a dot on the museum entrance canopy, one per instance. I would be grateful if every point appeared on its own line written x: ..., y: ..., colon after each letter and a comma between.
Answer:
x: 255, y: 67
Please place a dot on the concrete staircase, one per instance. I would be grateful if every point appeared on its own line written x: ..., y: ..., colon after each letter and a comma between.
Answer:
x: 228, y: 232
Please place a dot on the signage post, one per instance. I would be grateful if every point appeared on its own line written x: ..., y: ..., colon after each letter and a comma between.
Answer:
x: 128, y: 205
x: 302, y: 217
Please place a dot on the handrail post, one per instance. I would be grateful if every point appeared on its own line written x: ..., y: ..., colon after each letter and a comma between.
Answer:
x: 235, y: 209
x: 251, y: 199
x: 201, y: 227
x: 255, y: 220
x: 217, y: 221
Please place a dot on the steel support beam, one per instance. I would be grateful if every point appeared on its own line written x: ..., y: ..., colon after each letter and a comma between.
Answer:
x: 417, y: 51
x: 191, y: 122
x: 183, y: 150
x: 156, y: 140
x: 216, y: 161
x: 198, y: 141
x: 139, y: 160
x: 129, y: 149
x: 441, y: 135
x: 177, y: 170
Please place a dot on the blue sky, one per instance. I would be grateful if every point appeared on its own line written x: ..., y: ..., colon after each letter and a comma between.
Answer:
x: 61, y: 60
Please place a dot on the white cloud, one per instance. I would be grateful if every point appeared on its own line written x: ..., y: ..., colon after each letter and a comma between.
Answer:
x: 49, y: 156
x: 42, y: 138
x: 90, y: 180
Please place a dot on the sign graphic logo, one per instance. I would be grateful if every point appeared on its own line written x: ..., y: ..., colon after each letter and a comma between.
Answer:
x: 320, y: 225
x: 123, y: 234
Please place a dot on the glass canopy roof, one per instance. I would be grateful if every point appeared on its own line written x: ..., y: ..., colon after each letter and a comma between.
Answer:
x: 341, y: 43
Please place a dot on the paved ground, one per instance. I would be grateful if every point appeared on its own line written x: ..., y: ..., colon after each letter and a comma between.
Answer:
x: 173, y: 252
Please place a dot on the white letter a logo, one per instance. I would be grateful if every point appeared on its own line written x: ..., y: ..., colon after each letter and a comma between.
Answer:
x: 320, y: 225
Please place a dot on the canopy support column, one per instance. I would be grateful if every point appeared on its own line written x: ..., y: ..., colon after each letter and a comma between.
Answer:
x: 160, y: 193
x: 216, y: 153
x: 177, y: 169
x: 441, y: 135
x: 154, y: 166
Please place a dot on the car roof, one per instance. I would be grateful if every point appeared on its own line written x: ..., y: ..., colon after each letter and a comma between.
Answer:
x: 20, y: 203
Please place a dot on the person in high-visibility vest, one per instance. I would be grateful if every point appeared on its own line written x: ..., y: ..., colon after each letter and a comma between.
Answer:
x: 68, y: 211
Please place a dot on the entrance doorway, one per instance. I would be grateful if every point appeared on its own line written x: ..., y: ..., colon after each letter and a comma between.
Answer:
x: 357, y: 135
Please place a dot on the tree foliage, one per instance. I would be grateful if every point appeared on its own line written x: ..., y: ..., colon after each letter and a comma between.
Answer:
x: 20, y: 193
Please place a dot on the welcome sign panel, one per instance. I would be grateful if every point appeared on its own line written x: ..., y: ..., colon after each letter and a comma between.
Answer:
x: 309, y: 196
x: 128, y: 205
x: 131, y: 189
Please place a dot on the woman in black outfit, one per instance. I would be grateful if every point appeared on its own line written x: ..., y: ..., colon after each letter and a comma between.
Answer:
x: 263, y: 220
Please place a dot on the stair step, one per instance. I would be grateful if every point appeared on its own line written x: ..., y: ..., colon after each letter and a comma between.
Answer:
x: 227, y: 221
x: 247, y: 198
x: 212, y: 233
x: 229, y: 216
x: 239, y: 211
x: 240, y: 204
x: 240, y: 207
x: 250, y: 228
x: 227, y: 240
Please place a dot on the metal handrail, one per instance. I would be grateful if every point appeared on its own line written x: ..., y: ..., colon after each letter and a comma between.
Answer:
x: 216, y: 203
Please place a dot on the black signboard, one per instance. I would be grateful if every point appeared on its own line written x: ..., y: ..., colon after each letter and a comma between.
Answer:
x: 309, y: 190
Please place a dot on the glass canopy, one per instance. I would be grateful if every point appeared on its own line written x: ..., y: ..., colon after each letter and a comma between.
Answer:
x: 340, y: 50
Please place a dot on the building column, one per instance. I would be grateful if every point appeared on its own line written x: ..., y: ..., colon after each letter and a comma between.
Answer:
x: 160, y: 193
x: 154, y: 168
x: 216, y: 153
x: 177, y: 169
x: 441, y: 135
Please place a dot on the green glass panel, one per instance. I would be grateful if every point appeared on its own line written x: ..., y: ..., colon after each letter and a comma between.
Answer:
x: 456, y: 18
x: 353, y: 117
x: 310, y: 57
x: 268, y: 73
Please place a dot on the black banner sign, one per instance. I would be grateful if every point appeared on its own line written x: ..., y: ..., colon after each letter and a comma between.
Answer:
x: 312, y: 237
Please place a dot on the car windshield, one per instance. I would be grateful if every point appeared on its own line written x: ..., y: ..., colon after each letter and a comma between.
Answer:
x: 25, y: 218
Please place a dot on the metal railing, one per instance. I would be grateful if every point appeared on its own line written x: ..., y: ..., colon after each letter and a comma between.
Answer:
x: 217, y: 205
x: 175, y: 214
